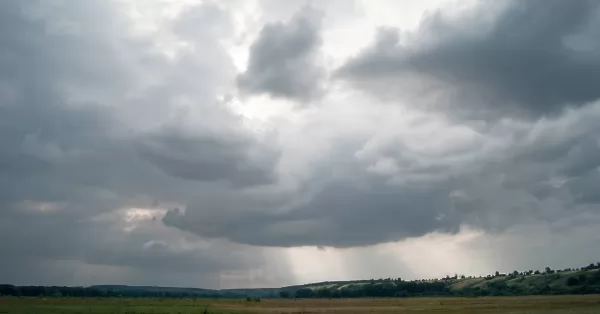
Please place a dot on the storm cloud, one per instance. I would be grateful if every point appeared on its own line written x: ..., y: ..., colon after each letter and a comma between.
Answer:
x: 284, y: 59
x: 531, y: 57
x: 136, y: 141
x: 86, y: 134
x: 409, y: 176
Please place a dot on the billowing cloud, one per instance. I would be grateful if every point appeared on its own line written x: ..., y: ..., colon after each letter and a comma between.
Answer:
x: 284, y: 59
x: 207, y: 158
x: 390, y: 189
x: 532, y: 57
x: 130, y: 147
x: 411, y: 171
x: 95, y: 120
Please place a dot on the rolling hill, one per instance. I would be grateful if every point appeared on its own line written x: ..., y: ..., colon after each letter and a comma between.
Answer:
x: 583, y: 280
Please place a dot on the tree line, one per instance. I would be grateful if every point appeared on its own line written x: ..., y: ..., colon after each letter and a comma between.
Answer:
x: 578, y: 281
x: 391, y: 288
x: 61, y: 291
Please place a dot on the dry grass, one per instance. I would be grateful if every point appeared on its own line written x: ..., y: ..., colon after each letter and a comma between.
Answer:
x: 463, y: 283
x: 589, y: 304
x: 515, y: 305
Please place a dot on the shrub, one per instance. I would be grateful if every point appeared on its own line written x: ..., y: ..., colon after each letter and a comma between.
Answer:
x: 572, y: 281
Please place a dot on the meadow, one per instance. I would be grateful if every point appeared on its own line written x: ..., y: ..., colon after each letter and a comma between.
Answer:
x: 575, y: 304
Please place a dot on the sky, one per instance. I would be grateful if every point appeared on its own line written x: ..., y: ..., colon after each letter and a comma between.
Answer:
x: 263, y: 143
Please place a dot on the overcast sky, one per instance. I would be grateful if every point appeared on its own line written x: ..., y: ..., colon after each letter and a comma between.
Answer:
x: 261, y: 143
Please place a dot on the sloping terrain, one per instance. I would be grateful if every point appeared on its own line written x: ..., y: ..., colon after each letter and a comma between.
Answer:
x: 582, y: 281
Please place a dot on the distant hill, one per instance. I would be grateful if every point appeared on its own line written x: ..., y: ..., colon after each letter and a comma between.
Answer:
x: 567, y: 281
x: 579, y: 281
x: 126, y: 290
x: 187, y: 292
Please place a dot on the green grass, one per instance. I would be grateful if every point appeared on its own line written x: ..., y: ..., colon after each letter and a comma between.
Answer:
x: 557, y: 281
x: 576, y: 304
x: 109, y: 306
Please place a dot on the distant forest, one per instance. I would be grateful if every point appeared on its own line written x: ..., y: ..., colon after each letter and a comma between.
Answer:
x: 584, y: 280
x: 118, y: 291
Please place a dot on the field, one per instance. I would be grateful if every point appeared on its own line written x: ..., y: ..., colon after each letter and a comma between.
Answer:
x: 587, y: 304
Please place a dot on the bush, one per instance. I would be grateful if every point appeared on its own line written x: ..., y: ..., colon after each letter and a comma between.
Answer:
x: 595, y: 278
x: 284, y: 294
x: 572, y: 281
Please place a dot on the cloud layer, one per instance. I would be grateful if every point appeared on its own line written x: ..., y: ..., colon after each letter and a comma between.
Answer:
x: 174, y: 144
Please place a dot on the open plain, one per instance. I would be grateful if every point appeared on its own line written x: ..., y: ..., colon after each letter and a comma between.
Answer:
x: 586, y: 304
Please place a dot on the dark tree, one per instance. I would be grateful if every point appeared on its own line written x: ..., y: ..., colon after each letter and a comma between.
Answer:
x: 572, y: 281
x: 284, y: 294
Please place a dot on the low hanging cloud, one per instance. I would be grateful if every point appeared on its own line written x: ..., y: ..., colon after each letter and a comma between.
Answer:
x: 122, y: 153
x: 515, y: 174
x: 208, y: 159
x: 438, y: 173
x: 284, y: 59
x: 530, y: 57
x: 94, y: 121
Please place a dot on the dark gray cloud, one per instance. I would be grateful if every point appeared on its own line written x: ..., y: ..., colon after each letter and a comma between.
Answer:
x: 109, y: 246
x: 284, y: 59
x: 342, y: 214
x: 207, y: 159
x: 519, y: 173
x: 108, y: 240
x: 94, y: 120
x: 102, y: 134
x: 534, y: 58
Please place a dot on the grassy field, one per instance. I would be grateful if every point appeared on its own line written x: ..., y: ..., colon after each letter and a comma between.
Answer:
x: 589, y: 304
